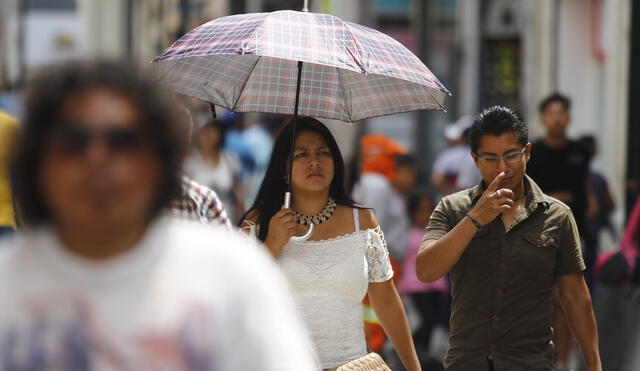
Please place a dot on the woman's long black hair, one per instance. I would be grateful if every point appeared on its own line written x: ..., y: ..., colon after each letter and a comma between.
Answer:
x: 270, y: 197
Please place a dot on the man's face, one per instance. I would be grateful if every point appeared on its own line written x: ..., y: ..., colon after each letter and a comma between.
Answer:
x: 98, y: 168
x: 514, y: 166
x: 555, y: 119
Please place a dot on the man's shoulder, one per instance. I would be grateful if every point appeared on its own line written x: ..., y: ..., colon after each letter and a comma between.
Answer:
x: 555, y: 206
x: 461, y: 199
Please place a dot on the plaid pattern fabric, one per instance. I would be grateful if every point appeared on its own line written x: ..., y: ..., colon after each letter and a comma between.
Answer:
x: 248, y: 63
x: 200, y: 203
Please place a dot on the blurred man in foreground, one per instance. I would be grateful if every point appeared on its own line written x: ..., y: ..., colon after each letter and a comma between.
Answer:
x: 99, y: 280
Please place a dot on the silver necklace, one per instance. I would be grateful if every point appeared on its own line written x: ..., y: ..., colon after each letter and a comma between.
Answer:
x: 320, y: 217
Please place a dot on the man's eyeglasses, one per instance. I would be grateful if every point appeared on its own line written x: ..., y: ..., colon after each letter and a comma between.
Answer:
x: 75, y: 140
x: 508, y: 158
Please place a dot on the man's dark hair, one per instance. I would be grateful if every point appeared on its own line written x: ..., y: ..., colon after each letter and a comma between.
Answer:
x: 46, y: 96
x: 497, y: 120
x: 405, y: 160
x: 555, y: 97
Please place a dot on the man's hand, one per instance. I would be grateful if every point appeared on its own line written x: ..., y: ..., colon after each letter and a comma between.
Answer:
x: 493, y: 202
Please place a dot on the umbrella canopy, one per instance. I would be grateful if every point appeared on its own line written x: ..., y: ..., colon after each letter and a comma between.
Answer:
x: 249, y: 63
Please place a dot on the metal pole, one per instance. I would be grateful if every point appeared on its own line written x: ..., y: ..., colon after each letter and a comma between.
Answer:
x: 295, y: 123
x: 287, y: 195
x: 305, y: 7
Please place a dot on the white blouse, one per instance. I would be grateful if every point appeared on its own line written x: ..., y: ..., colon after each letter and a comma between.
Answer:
x: 329, y: 279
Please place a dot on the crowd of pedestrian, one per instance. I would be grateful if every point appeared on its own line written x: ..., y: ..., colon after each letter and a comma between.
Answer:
x: 141, y: 245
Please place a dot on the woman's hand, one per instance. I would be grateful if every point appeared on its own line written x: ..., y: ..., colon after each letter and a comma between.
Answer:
x: 281, y: 227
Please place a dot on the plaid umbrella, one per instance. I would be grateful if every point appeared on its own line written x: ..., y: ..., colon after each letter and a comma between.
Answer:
x: 254, y: 63
x: 249, y: 63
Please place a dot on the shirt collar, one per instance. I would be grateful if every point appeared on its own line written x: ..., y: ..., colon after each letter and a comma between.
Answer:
x: 534, y: 195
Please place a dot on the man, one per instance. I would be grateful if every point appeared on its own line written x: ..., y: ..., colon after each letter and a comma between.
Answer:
x: 506, y: 244
x: 8, y: 133
x: 450, y: 163
x: 560, y: 166
x: 99, y: 280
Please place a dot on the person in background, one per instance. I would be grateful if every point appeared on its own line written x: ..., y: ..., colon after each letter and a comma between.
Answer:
x: 452, y: 159
x: 98, y: 279
x: 8, y: 134
x: 345, y: 257
x: 428, y: 298
x: 507, y: 245
x: 598, y: 215
x: 214, y: 167
x: 380, y: 188
x: 378, y: 155
x: 560, y: 166
x: 196, y: 202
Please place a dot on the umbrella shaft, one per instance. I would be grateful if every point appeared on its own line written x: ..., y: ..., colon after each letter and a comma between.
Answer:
x: 295, y: 123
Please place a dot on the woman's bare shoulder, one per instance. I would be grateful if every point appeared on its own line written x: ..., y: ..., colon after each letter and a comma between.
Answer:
x: 367, y: 219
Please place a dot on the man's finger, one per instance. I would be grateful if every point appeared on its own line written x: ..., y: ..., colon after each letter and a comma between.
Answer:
x: 506, y: 192
x: 494, y: 183
x: 508, y: 202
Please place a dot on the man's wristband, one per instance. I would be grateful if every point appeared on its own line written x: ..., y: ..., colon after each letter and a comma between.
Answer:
x: 475, y: 222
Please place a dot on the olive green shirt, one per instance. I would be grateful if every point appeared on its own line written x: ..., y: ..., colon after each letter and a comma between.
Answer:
x: 501, y: 285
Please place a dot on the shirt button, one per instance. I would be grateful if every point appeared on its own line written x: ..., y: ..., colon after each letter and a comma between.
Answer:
x: 494, y: 317
x: 503, y: 266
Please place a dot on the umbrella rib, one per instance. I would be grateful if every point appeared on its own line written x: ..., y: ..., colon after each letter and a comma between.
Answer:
x: 235, y: 104
x: 347, y: 98
x: 436, y: 100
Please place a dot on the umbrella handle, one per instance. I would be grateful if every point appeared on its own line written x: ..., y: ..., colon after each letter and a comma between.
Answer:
x: 304, y: 237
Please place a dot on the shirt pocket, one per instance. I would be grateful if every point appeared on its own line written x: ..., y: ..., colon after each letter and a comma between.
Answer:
x: 539, y: 255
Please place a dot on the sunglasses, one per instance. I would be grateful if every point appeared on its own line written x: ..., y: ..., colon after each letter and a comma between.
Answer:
x: 74, y: 140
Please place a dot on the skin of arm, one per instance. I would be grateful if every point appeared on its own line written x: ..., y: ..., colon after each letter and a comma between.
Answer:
x: 437, y: 257
x: 388, y: 307
x: 576, y: 302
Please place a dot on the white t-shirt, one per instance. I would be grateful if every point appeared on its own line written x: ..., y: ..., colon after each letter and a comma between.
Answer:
x: 188, y: 297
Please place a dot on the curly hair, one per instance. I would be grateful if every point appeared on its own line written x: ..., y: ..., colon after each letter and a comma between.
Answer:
x: 47, y: 94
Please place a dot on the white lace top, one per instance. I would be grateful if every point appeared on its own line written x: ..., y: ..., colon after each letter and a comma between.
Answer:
x: 329, y: 279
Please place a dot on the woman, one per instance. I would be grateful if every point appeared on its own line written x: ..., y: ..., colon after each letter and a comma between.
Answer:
x: 345, y: 258
x: 97, y: 279
x: 215, y: 168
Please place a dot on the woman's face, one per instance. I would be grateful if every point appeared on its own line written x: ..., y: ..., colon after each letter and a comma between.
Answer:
x: 98, y: 169
x: 312, y: 163
x: 209, y: 137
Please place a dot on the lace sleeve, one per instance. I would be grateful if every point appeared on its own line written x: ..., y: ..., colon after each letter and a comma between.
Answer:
x: 379, y: 266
